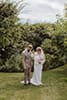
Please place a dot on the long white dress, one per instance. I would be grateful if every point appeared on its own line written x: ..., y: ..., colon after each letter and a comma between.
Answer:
x: 37, y: 74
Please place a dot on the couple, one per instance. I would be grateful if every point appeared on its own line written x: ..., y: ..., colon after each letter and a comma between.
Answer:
x: 39, y: 60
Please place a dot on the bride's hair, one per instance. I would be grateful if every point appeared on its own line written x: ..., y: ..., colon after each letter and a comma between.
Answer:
x: 40, y: 49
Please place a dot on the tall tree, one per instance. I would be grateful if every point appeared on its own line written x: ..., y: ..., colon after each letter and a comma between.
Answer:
x: 9, y: 28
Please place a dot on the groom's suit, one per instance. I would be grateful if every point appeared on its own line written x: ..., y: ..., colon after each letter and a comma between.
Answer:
x: 27, y: 64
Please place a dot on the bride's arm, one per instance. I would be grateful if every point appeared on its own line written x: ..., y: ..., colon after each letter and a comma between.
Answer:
x: 42, y: 59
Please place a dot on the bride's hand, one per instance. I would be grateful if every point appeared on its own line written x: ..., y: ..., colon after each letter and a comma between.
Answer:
x: 39, y: 62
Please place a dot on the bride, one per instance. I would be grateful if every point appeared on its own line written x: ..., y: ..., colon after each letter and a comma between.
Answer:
x: 39, y: 60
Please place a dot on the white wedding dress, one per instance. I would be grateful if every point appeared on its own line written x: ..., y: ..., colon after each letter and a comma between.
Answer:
x: 37, y: 74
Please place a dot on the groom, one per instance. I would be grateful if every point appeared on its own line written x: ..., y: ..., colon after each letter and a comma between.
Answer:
x: 27, y: 63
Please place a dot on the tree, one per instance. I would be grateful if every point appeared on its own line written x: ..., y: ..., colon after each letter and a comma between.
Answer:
x: 36, y: 33
x: 9, y: 29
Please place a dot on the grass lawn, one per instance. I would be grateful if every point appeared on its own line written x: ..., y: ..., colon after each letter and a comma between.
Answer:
x: 55, y: 86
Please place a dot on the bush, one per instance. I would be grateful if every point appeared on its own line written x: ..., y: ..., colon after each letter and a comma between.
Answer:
x: 55, y: 56
x: 14, y: 64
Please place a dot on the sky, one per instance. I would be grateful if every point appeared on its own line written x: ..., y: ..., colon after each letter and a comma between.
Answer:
x: 37, y: 11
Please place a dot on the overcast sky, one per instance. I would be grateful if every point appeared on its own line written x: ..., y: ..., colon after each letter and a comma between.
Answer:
x: 42, y: 10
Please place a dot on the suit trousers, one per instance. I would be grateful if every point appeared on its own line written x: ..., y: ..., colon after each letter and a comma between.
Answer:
x: 27, y: 72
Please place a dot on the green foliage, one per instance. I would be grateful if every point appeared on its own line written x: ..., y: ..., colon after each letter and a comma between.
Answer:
x: 55, y: 48
x: 14, y: 64
x: 9, y: 36
x: 14, y: 37
x: 35, y: 34
x: 9, y: 30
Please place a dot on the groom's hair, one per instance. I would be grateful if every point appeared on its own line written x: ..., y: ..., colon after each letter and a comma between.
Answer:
x: 30, y: 46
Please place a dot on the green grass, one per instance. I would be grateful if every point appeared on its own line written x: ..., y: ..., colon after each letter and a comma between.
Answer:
x: 55, y: 86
